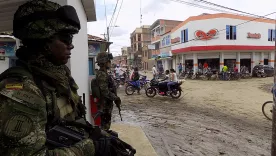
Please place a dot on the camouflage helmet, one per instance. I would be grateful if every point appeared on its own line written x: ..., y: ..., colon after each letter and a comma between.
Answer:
x: 41, y: 19
x: 104, y: 57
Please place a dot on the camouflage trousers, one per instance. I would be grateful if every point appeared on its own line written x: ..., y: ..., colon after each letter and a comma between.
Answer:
x: 106, y: 108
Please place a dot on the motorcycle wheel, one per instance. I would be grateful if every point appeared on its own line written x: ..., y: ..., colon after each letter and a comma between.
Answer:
x: 193, y: 77
x: 259, y: 75
x: 129, y: 90
x: 151, y: 92
x: 176, y: 93
x: 146, y: 86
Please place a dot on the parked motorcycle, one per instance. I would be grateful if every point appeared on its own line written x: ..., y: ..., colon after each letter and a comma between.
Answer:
x: 245, y: 75
x: 261, y: 73
x: 162, y: 89
x: 234, y: 76
x: 196, y: 76
x: 207, y: 75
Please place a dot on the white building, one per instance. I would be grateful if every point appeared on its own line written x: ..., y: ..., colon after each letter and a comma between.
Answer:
x: 165, y: 50
x: 86, y: 12
x: 223, y: 39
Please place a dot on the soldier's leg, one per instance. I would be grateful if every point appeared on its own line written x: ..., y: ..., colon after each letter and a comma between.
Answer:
x: 107, y: 115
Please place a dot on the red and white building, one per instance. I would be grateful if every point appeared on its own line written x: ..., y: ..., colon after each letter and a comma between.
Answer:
x: 220, y: 39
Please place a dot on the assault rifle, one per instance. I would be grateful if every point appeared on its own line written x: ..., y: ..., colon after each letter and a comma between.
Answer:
x: 62, y: 136
x: 115, y: 92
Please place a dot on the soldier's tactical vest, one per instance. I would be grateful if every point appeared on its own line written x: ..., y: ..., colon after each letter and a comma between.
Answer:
x: 57, y: 107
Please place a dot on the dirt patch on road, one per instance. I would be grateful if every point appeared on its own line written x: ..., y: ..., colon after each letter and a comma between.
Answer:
x: 266, y: 87
x: 213, y: 118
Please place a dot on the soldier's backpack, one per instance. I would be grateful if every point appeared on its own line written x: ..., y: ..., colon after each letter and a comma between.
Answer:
x: 95, y: 89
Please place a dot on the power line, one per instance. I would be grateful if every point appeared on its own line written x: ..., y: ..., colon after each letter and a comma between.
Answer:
x: 111, y: 20
x: 221, y: 6
x: 235, y: 25
x: 117, y: 17
x: 202, y: 6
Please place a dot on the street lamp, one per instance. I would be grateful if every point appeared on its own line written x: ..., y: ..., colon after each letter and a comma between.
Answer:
x: 108, y: 37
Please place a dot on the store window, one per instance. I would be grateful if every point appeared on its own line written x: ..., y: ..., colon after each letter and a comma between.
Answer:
x: 184, y: 36
x: 231, y: 32
x: 271, y: 34
x: 163, y: 41
x: 168, y: 40
x: 139, y: 37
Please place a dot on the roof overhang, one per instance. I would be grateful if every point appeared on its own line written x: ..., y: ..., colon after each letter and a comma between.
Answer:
x: 89, y: 8
x: 8, y: 8
x: 7, y: 11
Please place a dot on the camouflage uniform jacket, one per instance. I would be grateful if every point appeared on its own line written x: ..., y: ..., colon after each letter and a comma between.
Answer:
x: 24, y: 111
x: 103, y: 80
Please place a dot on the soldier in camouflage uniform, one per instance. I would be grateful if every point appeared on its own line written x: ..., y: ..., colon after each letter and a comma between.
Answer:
x: 40, y: 90
x: 108, y: 92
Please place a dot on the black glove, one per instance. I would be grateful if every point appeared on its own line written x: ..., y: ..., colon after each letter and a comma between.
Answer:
x: 102, y: 147
x: 118, y: 101
x: 111, y: 146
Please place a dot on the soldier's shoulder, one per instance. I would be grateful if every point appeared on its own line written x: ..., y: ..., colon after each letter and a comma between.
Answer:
x: 21, y: 89
x: 101, y: 74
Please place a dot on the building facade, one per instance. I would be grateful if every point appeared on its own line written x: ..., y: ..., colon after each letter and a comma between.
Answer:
x: 147, y: 63
x: 159, y: 29
x: 139, y: 38
x: 223, y: 39
x: 95, y: 45
x: 124, y: 54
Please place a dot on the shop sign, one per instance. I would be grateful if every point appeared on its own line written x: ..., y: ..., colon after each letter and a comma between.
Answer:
x: 165, y: 54
x: 7, y: 49
x: 255, y: 35
x: 175, y: 40
x: 211, y: 34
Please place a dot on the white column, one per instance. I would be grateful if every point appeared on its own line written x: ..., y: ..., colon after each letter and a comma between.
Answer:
x: 79, y: 54
x: 262, y: 58
x: 195, y: 62
x: 221, y: 61
x: 184, y: 62
x: 174, y: 62
x: 238, y: 61
x: 253, y: 60
x: 271, y: 58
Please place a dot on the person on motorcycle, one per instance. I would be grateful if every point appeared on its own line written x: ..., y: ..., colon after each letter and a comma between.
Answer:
x: 173, y: 80
x: 136, y: 77
x: 166, y: 79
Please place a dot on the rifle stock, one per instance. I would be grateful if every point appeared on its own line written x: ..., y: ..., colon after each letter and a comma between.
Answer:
x: 62, y: 136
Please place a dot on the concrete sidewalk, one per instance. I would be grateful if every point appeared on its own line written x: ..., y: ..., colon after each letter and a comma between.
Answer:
x: 135, y: 136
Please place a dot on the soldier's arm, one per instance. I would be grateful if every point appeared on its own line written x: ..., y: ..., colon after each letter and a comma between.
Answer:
x: 23, y: 118
x: 102, y: 79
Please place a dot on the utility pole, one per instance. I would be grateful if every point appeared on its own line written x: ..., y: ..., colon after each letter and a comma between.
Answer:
x: 273, y: 143
x: 107, y: 31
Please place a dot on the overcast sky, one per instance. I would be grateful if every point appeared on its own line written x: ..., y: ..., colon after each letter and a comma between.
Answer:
x: 129, y: 16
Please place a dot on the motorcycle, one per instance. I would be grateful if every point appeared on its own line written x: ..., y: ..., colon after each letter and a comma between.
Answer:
x: 261, y: 73
x: 132, y: 86
x: 162, y: 89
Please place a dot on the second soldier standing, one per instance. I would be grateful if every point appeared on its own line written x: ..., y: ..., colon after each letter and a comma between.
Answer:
x: 108, y: 93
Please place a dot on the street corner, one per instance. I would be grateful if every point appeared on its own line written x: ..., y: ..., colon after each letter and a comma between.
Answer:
x: 135, y: 136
